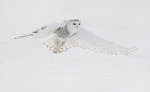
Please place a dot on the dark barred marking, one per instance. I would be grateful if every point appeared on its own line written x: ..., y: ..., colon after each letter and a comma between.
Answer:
x: 62, y: 32
x: 74, y: 20
x: 42, y: 28
x: 71, y: 20
x: 24, y: 36
x: 36, y: 31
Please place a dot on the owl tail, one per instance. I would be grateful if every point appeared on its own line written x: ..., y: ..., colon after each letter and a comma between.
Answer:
x: 24, y: 36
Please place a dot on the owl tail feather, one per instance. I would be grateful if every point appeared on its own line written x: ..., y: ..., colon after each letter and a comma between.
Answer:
x: 132, y: 50
x: 24, y: 36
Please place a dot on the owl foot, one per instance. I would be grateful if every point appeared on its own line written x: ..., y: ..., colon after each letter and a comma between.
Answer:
x: 57, y: 51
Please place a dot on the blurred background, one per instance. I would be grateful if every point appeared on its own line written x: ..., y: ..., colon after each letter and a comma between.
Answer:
x: 29, y: 67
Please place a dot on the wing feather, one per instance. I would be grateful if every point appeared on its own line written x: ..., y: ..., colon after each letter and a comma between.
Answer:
x: 46, y: 30
x: 87, y: 40
x: 42, y: 32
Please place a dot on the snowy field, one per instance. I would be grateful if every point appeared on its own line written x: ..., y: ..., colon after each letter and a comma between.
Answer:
x: 27, y: 66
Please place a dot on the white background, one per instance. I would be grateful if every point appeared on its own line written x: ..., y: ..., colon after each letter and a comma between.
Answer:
x: 27, y: 66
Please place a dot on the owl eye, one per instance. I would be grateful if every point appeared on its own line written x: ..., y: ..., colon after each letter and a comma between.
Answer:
x: 74, y: 23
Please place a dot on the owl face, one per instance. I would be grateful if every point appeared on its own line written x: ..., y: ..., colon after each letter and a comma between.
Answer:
x: 74, y: 25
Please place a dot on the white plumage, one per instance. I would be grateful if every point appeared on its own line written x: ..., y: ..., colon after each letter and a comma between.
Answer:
x: 87, y: 40
x: 76, y: 36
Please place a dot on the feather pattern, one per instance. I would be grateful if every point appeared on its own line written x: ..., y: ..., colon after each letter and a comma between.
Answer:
x: 86, y: 40
x: 69, y: 34
x: 49, y: 43
x: 43, y: 32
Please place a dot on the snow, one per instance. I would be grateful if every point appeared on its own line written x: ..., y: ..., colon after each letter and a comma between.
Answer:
x: 28, y: 66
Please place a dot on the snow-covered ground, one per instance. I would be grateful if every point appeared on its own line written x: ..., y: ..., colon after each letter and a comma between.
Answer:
x: 27, y: 66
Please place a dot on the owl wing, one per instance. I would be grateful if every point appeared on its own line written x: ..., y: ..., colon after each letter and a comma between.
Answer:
x: 42, y: 32
x: 47, y: 30
x: 86, y: 40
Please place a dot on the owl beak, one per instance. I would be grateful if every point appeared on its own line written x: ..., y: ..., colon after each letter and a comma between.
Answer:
x: 77, y: 27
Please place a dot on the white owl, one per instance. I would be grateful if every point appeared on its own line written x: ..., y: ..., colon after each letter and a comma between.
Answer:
x: 69, y: 34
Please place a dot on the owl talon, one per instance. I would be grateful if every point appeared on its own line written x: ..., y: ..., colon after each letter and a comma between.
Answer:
x: 55, y: 52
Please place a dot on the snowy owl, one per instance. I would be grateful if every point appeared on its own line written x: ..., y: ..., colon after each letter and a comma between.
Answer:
x: 69, y: 34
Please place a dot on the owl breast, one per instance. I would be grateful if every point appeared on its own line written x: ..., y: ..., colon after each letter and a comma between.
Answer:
x: 62, y: 32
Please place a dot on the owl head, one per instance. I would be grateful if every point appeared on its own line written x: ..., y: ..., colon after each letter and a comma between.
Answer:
x: 73, y: 24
